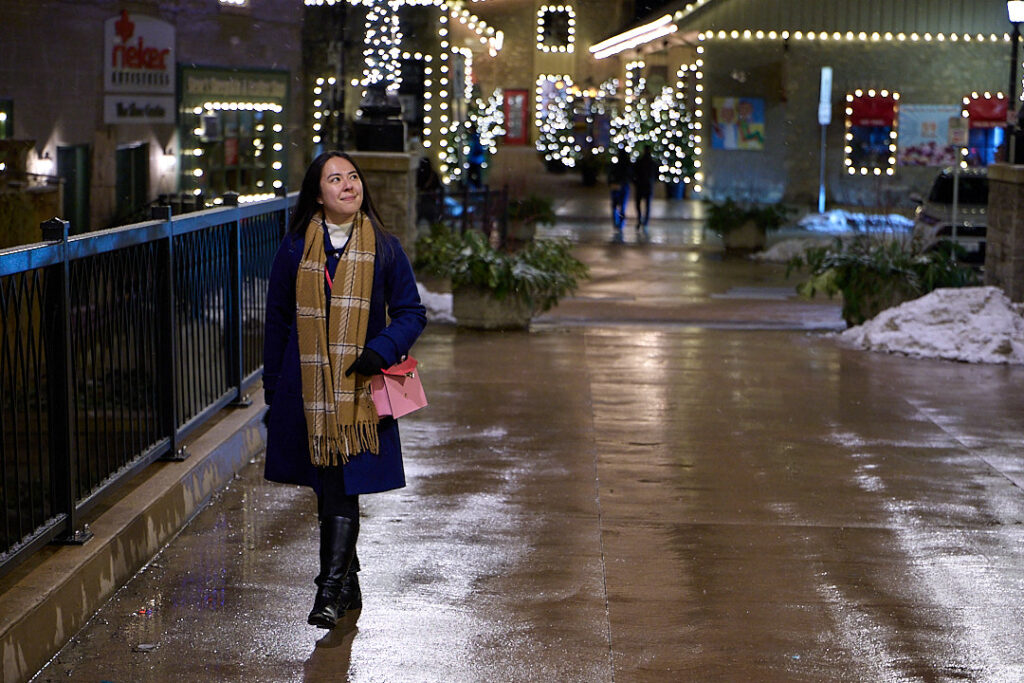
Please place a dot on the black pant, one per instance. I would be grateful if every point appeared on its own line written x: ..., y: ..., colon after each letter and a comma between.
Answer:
x: 333, y: 501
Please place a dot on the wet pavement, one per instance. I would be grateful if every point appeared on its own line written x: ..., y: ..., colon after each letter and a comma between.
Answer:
x: 677, y: 475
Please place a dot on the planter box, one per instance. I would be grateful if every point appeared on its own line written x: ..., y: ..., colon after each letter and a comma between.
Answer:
x: 477, y: 308
x: 744, y: 239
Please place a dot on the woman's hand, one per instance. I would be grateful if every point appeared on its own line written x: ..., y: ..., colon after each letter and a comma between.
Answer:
x: 368, y: 363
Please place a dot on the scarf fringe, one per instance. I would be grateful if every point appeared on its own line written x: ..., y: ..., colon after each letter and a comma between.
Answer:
x: 361, y: 437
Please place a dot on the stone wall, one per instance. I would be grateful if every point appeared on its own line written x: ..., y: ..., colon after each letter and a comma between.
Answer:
x: 1004, y: 250
x: 391, y: 178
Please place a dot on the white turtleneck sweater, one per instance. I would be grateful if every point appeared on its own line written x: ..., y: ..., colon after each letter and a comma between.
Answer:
x: 339, y: 234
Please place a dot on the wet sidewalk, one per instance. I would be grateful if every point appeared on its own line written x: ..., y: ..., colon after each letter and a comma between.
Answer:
x: 677, y: 475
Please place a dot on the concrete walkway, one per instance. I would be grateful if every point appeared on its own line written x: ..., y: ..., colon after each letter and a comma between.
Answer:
x: 677, y: 475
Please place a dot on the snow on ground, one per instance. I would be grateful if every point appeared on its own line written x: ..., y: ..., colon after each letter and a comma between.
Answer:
x: 972, y: 324
x: 831, y: 224
x: 439, y: 306
x: 782, y: 251
x: 837, y: 222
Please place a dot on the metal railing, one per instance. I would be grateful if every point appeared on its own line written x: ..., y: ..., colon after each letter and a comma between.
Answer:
x: 115, y: 346
x: 465, y: 209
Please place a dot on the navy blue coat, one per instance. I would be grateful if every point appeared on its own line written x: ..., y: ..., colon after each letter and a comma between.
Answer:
x: 395, y: 295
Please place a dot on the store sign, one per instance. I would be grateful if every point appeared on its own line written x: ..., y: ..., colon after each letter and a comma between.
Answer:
x: 138, y: 55
x: 129, y: 108
x: 239, y: 85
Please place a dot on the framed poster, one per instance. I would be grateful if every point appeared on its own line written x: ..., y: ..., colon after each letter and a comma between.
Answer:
x: 515, y: 107
x: 737, y: 123
x: 924, y: 134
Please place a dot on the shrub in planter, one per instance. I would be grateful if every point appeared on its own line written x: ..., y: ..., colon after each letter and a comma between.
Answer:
x: 744, y: 227
x: 525, y: 282
x: 524, y: 214
x: 874, y: 273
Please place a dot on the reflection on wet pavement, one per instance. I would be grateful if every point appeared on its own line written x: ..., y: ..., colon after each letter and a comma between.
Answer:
x: 638, y: 497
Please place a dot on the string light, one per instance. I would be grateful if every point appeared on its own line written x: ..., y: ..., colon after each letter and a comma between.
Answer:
x: 543, y: 19
x: 888, y: 165
x: 554, y: 104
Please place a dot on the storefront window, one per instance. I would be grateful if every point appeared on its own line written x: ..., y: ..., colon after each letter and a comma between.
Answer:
x: 871, y: 132
x: 556, y: 28
x: 233, y: 132
x: 986, y: 115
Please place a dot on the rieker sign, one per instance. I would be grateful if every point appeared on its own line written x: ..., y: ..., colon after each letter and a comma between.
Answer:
x: 138, y: 70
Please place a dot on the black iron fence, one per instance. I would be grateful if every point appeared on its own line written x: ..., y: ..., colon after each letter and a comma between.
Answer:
x: 465, y: 209
x: 115, y: 346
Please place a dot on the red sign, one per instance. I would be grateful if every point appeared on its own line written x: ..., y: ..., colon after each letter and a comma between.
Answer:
x: 873, y: 111
x: 138, y: 55
x: 986, y: 112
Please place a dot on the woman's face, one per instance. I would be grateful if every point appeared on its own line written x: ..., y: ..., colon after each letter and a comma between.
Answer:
x: 341, y: 191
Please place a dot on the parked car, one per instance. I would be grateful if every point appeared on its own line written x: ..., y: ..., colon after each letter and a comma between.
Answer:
x: 933, y: 219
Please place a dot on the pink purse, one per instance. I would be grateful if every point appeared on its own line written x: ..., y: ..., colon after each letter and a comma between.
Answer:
x: 398, y: 391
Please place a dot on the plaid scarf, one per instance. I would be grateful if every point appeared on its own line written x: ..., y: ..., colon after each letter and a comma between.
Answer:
x: 340, y: 416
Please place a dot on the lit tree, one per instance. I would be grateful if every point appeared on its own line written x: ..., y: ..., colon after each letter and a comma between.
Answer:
x: 673, y: 145
x: 554, y: 119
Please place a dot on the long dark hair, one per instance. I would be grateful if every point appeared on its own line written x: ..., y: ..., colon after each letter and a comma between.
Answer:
x: 307, y: 205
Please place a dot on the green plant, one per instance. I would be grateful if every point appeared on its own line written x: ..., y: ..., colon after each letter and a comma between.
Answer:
x: 532, y: 209
x: 874, y: 273
x: 539, y: 274
x: 729, y: 215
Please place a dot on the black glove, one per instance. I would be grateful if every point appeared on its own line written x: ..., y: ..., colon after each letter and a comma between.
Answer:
x: 368, y: 363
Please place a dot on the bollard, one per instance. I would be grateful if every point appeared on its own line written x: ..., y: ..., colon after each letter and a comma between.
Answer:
x: 199, y: 202
x: 281, y: 191
x: 160, y: 213
x: 230, y: 198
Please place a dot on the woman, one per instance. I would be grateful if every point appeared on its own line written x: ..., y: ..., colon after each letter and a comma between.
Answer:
x: 337, y: 279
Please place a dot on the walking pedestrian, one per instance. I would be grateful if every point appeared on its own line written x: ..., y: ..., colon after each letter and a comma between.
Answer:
x: 476, y: 158
x: 643, y: 183
x: 619, y: 173
x: 342, y: 298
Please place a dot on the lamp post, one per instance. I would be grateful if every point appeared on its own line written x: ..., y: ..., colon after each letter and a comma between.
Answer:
x: 1015, y: 11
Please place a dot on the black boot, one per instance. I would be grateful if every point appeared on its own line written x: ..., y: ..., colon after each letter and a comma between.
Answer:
x: 351, y: 596
x: 337, y: 547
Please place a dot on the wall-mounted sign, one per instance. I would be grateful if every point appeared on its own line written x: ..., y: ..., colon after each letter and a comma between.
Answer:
x: 138, y: 70
x: 130, y: 108
x: 138, y: 55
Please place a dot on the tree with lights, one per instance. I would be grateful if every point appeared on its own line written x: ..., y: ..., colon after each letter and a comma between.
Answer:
x: 673, y: 141
x: 555, y: 106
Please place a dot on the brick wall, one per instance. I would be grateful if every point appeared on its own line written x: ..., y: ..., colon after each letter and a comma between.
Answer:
x: 788, y: 78
x: 1004, y: 249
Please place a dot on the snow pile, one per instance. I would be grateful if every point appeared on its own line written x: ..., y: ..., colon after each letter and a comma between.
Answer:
x: 439, y: 306
x: 972, y: 324
x: 781, y: 252
x: 837, y: 222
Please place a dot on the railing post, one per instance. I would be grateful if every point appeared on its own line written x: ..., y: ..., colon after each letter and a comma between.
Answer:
x: 168, y: 338
x: 60, y: 381
x: 233, y: 307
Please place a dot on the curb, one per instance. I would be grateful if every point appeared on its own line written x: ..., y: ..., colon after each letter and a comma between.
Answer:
x: 55, y: 599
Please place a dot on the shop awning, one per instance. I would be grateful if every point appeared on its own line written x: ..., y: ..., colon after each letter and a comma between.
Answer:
x: 875, y: 110
x: 986, y: 112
